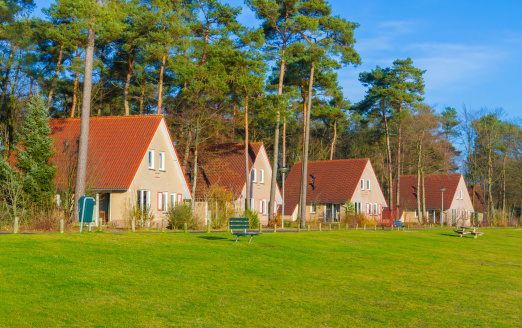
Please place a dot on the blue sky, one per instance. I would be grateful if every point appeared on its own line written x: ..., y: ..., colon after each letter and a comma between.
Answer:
x: 471, y: 49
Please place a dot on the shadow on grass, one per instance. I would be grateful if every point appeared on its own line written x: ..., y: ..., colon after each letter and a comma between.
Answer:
x: 215, y: 238
x: 450, y: 235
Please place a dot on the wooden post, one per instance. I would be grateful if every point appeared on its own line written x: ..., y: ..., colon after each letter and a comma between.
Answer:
x: 364, y: 227
x: 308, y: 228
x: 339, y: 226
x: 15, y: 227
x: 260, y: 227
x: 375, y: 227
x: 162, y: 226
x: 319, y: 226
x: 133, y: 225
x: 100, y: 228
x: 62, y: 225
x: 185, y: 227
x: 329, y: 227
x: 208, y: 228
x: 357, y: 226
x: 275, y: 227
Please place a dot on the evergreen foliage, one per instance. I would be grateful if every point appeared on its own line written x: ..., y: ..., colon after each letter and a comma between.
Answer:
x: 34, y: 153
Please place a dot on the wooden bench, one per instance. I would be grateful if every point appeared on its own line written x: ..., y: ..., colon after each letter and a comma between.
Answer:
x: 463, y: 230
x: 239, y: 227
x: 398, y: 224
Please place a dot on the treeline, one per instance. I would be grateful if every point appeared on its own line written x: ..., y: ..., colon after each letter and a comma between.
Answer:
x: 218, y: 81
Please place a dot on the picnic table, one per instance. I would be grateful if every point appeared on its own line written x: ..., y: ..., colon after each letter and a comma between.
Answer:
x: 463, y: 230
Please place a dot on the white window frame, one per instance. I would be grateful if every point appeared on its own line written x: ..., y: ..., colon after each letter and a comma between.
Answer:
x: 261, y: 176
x: 151, y: 159
x: 179, y: 199
x: 265, y: 210
x: 159, y: 201
x: 253, y: 175
x: 252, y: 204
x: 313, y: 208
x: 460, y: 194
x: 144, y: 195
x: 165, y: 201
x: 172, y: 199
x: 161, y: 160
x: 374, y: 208
x: 362, y: 184
x: 368, y: 185
x: 368, y: 208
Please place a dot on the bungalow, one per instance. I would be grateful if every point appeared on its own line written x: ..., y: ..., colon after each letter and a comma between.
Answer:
x: 222, y: 167
x: 443, y: 191
x: 330, y: 184
x: 131, y: 162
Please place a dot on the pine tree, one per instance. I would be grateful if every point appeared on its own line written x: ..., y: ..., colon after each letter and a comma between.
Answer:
x: 34, y: 154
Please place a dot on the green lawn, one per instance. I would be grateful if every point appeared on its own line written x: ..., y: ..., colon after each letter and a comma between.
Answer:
x: 426, y: 278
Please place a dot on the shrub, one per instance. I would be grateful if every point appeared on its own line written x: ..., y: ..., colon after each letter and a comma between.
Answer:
x: 179, y: 215
x: 276, y: 220
x: 253, y: 219
x: 141, y: 216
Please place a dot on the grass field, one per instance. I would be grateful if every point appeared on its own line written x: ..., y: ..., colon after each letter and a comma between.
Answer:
x: 425, y: 278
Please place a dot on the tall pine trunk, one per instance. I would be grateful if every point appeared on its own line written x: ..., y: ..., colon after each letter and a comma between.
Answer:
x: 195, y: 171
x: 399, y: 160
x: 304, y: 171
x: 420, y: 218
x: 160, y: 86
x: 81, y: 172
x: 388, y: 152
x: 332, y: 147
x: 130, y: 67
x: 273, y: 185
x: 75, y: 94
x: 55, y: 77
x: 247, y: 171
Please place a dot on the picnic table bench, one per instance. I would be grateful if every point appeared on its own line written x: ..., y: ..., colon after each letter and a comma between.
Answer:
x: 463, y: 230
x: 398, y: 224
x: 239, y: 227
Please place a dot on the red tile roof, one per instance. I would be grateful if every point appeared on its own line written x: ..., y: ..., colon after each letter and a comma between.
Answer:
x: 117, y: 145
x: 335, y: 182
x: 223, y: 166
x: 478, y: 201
x: 432, y: 185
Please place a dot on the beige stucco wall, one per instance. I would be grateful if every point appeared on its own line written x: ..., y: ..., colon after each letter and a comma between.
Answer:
x: 460, y: 205
x: 154, y: 180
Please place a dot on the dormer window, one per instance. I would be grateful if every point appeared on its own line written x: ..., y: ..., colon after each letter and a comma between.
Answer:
x: 162, y: 161
x: 362, y: 184
x: 151, y: 159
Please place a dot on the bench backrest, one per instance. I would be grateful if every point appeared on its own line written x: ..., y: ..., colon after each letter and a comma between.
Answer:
x: 239, y: 224
x: 397, y: 223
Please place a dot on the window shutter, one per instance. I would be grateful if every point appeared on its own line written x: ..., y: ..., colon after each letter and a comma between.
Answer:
x: 260, y: 207
x: 160, y: 201
x: 379, y: 209
x: 368, y: 208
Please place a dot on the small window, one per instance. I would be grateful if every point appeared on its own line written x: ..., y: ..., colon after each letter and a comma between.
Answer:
x: 160, y: 201
x: 380, y: 210
x: 254, y: 175
x: 165, y: 201
x: 260, y: 209
x: 460, y: 194
x: 313, y: 208
x: 151, y: 159
x: 172, y: 200
x: 264, y: 207
x: 368, y: 208
x: 162, y: 161
x: 367, y: 184
x: 374, y: 209
x: 261, y: 176
x: 252, y: 204
x: 362, y: 184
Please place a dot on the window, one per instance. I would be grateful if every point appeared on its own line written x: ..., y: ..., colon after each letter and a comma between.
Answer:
x: 254, y: 174
x: 261, y: 206
x: 313, y: 208
x: 180, y: 198
x: 261, y: 176
x: 374, y: 209
x: 162, y: 161
x: 362, y: 184
x: 151, y: 159
x: 367, y: 184
x: 160, y: 201
x: 368, y: 208
x: 252, y: 204
x: 264, y: 207
x: 143, y: 200
x: 165, y: 201
x: 460, y: 194
x: 173, y: 200
x: 379, y: 213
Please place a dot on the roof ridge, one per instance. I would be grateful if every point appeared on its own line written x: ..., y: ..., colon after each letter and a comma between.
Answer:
x: 336, y: 160
x: 107, y: 117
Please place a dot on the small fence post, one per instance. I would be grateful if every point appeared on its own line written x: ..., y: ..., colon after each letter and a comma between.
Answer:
x: 357, y: 226
x: 15, y: 227
x: 375, y: 227
x: 62, y: 224
x: 260, y: 227
x: 339, y: 226
x: 275, y: 227
x: 133, y: 225
x: 162, y: 226
x: 329, y: 227
x: 208, y: 228
x: 364, y: 227
x: 320, y: 226
x: 185, y: 227
x: 308, y: 228
x: 100, y: 224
